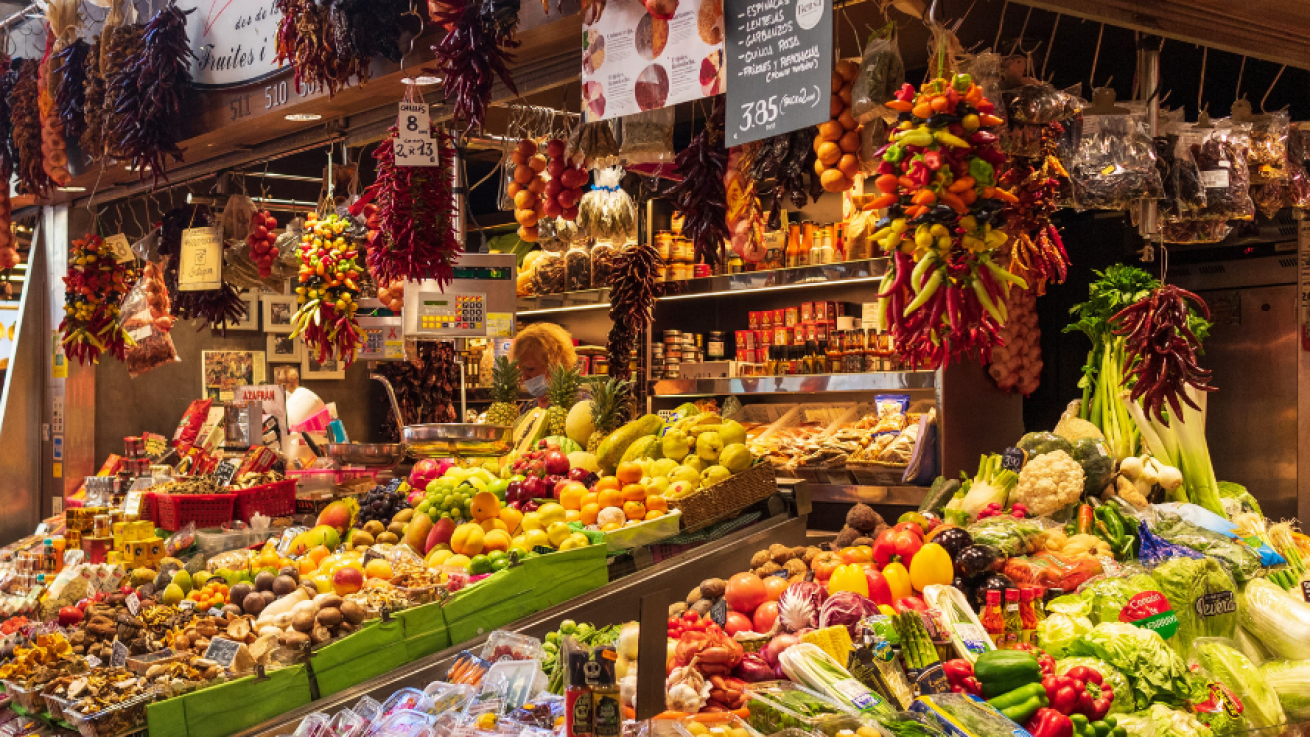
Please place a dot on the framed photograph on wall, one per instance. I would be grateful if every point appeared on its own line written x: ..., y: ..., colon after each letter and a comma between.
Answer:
x: 251, y: 320
x: 312, y: 370
x: 284, y: 349
x: 222, y: 372
x: 287, y: 376
x: 278, y: 310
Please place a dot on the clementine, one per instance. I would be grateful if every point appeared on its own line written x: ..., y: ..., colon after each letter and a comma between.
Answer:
x: 657, y: 503
x: 589, y: 513
x: 628, y: 473
x: 634, y: 510
x: 609, y: 498
x: 633, y: 493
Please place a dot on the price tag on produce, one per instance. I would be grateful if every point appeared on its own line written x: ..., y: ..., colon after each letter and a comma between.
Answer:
x: 1013, y: 459
x: 118, y: 658
x: 118, y: 245
x: 201, y: 260
x: 186, y: 605
x: 133, y: 603
x: 224, y: 473
x: 93, y: 661
x: 414, y: 124
x: 222, y: 651
x: 779, y: 67
x: 1305, y: 590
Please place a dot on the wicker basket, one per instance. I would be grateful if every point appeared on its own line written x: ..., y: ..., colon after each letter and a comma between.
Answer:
x: 876, y: 473
x: 722, y: 500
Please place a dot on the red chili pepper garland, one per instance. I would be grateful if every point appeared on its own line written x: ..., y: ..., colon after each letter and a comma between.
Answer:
x: 328, y: 288
x: 94, y: 287
x: 414, y: 238
x: 701, y: 196
x: 475, y: 50
x: 26, y: 120
x: 1037, y: 252
x: 152, y: 94
x: 305, y: 39
x: 70, y: 93
x: 1162, y: 349
x: 943, y: 296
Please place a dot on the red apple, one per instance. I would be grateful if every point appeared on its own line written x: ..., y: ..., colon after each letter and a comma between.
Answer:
x: 347, y: 580
x: 557, y: 464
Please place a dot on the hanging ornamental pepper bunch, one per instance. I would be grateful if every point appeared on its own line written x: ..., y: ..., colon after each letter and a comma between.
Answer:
x: 1161, y: 347
x: 306, y: 40
x: 94, y: 287
x: 412, y: 230
x: 1037, y: 252
x: 476, y: 49
x: 329, y: 286
x: 944, y: 296
x: 701, y: 196
x: 153, y: 98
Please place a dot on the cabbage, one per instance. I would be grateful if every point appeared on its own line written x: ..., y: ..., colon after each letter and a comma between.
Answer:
x: 1123, y: 693
x: 1193, y: 586
x: 1058, y: 631
x: 1277, y: 619
x: 846, y: 608
x: 1291, y: 680
x: 1161, y: 721
x: 1155, y: 672
x: 1222, y: 663
x: 1109, y: 595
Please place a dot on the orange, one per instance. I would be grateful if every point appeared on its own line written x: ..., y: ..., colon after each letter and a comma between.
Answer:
x: 484, y: 505
x: 633, y: 493
x: 589, y: 498
x: 468, y: 539
x: 512, y: 519
x: 318, y: 553
x: 607, y: 482
x: 589, y: 513
x: 572, y: 515
x: 656, y: 503
x: 628, y: 473
x: 634, y: 510
x: 610, y: 526
x: 378, y: 568
x: 609, y: 498
x: 307, y: 565
x: 571, y: 497
x: 654, y: 514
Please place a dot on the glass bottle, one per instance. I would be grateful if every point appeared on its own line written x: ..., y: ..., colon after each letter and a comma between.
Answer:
x: 872, y: 356
x: 1013, y: 620
x: 1027, y: 617
x: 793, y: 253
x: 832, y: 350
x: 807, y: 242
x: 993, y: 620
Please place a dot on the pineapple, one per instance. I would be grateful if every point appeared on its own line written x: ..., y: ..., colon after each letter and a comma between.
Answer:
x: 609, y: 404
x: 504, y: 392
x: 563, y: 393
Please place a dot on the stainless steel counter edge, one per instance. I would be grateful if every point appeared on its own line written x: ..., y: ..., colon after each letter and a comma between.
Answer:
x: 614, y: 603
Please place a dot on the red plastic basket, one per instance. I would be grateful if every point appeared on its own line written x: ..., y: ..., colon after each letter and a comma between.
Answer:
x: 277, y: 499
x: 173, y: 511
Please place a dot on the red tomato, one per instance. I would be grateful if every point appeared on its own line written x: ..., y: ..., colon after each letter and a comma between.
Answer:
x: 858, y: 554
x: 823, y: 566
x: 765, y: 616
x: 745, y: 592
x: 774, y: 586
x: 738, y: 622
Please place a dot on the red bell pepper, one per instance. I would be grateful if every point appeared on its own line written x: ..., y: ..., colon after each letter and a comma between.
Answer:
x: 1048, y: 722
x: 959, y: 673
x: 911, y: 603
x: 884, y: 549
x: 1095, y: 696
x: 1044, y: 659
x: 1062, y: 693
x: 880, y: 591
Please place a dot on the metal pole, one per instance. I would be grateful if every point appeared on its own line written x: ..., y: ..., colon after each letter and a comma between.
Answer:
x: 1148, y: 56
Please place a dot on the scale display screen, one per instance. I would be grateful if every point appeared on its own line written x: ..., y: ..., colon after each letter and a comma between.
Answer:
x: 483, y: 272
x: 479, y: 301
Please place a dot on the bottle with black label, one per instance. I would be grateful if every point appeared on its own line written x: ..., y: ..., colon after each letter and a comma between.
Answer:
x: 579, y: 706
x: 608, y: 715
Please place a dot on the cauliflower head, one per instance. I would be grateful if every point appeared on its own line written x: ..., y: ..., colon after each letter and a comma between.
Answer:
x: 1048, y: 483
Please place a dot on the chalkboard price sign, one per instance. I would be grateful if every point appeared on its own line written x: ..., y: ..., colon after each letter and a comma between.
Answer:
x: 118, y: 655
x: 222, y: 651
x: 779, y: 66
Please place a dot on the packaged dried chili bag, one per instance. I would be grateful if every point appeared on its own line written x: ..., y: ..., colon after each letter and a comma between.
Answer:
x: 153, y: 346
x: 882, y: 72
x: 1195, y: 231
x: 1294, y: 191
x: 1115, y: 164
x: 1267, y: 155
x: 1179, y: 176
x: 1220, y: 154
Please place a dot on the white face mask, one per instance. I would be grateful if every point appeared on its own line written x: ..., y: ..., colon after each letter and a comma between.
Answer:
x: 536, y: 386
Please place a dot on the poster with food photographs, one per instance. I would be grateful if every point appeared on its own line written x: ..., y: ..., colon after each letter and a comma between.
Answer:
x: 640, y: 55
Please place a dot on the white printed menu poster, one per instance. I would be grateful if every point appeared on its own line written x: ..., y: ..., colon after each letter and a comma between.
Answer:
x: 640, y: 55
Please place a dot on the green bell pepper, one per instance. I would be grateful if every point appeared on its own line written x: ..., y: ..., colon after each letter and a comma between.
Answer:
x: 1020, y: 704
x: 1002, y: 671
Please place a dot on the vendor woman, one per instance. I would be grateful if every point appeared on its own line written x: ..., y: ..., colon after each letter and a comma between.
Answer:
x: 538, y: 348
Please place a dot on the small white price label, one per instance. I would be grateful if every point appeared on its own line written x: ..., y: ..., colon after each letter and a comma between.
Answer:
x: 416, y: 153
x: 133, y: 603
x: 414, y: 122
x: 119, y: 246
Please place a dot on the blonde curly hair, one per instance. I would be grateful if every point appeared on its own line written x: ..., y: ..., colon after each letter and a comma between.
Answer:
x: 544, y: 344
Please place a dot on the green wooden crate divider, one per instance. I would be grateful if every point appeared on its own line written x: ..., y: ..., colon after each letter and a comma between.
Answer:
x: 495, y: 601
x: 567, y: 574
x: 230, y: 707
x: 425, y: 630
x: 377, y: 648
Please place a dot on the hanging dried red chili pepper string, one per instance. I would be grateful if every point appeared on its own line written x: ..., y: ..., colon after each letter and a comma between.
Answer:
x: 1161, y: 349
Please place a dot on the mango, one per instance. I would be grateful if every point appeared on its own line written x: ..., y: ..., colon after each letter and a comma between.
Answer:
x: 339, y: 515
x: 416, y: 533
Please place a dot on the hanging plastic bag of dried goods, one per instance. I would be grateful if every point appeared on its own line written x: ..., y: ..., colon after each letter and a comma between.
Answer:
x: 577, y: 266
x: 607, y: 212
x: 148, y: 329
x: 987, y: 71
x: 1194, y: 231
x: 647, y: 137
x: 1220, y: 154
x: 548, y: 268
x: 1294, y: 191
x: 594, y: 142
x: 1180, y: 179
x: 236, y: 217
x: 882, y: 72
x: 1115, y: 164
x: 1267, y: 158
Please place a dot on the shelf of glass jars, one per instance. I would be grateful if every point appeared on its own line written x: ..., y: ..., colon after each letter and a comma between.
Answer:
x: 803, y: 277
x: 876, y: 381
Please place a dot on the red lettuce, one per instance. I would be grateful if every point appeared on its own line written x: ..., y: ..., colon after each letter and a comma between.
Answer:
x: 846, y: 608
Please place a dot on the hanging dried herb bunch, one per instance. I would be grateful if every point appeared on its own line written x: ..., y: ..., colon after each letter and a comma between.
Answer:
x: 425, y: 386
x: 152, y: 102
x: 363, y: 29
x: 415, y: 236
x: 214, y: 307
x: 306, y: 40
x: 8, y: 149
x: 25, y: 115
x: 124, y: 46
x: 700, y: 196
x: 632, y: 299
x: 93, y: 104
x: 784, y: 160
x: 70, y: 90
x: 476, y: 50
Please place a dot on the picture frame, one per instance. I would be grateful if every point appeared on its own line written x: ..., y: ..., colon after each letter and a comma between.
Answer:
x: 278, y: 311
x: 312, y: 370
x: 251, y: 320
x: 287, y: 376
x: 284, y: 349
x: 221, y: 372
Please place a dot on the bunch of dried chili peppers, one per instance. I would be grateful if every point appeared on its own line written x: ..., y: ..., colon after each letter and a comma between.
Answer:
x: 701, y: 196
x: 306, y: 40
x: 94, y: 287
x: 944, y: 296
x: 70, y: 92
x: 328, y: 287
x: 412, y: 232
x: 25, y: 117
x: 425, y: 386
x: 1161, y: 348
x: 632, y: 297
x: 1037, y: 252
x: 784, y: 160
x: 474, y: 52
x: 152, y: 102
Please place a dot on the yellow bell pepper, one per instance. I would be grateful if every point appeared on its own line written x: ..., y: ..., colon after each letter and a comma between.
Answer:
x: 849, y: 577
x: 898, y: 579
x: 932, y: 564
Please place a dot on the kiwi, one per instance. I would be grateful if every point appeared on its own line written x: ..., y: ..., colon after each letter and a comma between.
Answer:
x: 395, y: 528
x: 238, y: 593
x: 374, y: 528
x: 284, y: 585
x: 362, y: 539
x: 389, y: 538
x: 264, y: 581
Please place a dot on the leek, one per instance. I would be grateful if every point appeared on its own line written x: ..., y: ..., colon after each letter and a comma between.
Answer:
x: 1181, y: 444
x: 807, y: 664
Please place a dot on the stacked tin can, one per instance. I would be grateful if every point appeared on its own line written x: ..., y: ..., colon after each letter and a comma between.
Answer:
x: 135, y: 461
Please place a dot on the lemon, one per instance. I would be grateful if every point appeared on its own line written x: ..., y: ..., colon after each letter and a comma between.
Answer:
x: 551, y: 513
x: 558, y: 532
x: 537, y: 537
x: 576, y: 540
x: 533, y: 521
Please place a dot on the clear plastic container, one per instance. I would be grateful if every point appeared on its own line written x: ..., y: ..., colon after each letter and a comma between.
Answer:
x: 410, y: 699
x: 449, y: 696
x: 406, y: 723
x: 513, y: 682
x: 778, y: 705
x: 346, y: 723
x: 314, y: 481
x: 503, y: 645
x: 723, y: 724
x: 56, y: 706
x: 28, y: 698
x: 128, y: 716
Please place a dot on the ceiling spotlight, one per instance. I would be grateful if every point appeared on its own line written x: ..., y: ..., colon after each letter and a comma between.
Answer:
x: 304, y: 117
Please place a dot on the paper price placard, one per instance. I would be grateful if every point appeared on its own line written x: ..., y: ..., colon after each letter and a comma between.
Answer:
x: 201, y: 260
x: 414, y: 122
